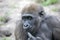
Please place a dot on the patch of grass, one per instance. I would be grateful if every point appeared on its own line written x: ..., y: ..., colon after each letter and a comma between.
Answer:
x: 49, y: 2
x: 2, y: 18
x: 55, y: 9
x: 6, y: 38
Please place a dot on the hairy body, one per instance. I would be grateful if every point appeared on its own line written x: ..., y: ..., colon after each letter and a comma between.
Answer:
x: 34, y: 24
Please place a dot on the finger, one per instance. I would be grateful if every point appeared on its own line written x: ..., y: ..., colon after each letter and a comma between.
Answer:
x: 30, y: 36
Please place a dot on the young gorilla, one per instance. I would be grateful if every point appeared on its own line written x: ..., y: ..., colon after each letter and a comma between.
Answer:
x: 34, y: 25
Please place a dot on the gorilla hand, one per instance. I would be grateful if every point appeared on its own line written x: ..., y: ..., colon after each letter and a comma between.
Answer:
x: 31, y: 37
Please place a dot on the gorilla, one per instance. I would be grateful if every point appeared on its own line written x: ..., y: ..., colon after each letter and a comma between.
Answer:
x: 4, y: 30
x: 35, y: 24
x: 5, y: 33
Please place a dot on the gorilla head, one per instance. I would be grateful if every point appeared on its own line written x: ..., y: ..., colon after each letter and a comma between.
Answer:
x: 31, y: 17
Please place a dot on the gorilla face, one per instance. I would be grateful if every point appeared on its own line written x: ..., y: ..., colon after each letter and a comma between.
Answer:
x: 31, y: 21
x: 31, y: 17
x: 28, y: 21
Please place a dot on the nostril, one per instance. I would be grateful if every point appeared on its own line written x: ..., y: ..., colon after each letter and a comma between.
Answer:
x: 26, y: 25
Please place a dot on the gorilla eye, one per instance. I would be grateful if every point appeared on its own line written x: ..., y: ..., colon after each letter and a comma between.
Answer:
x: 29, y: 18
x: 23, y: 18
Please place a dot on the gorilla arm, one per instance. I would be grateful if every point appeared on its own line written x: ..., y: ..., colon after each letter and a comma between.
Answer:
x: 54, y: 23
x: 44, y: 33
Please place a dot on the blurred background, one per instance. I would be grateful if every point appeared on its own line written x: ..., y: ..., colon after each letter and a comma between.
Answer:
x: 10, y: 12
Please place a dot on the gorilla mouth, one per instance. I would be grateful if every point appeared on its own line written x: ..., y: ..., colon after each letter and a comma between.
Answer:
x: 27, y: 28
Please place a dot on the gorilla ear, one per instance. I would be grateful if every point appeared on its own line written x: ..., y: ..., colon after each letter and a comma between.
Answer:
x: 42, y: 13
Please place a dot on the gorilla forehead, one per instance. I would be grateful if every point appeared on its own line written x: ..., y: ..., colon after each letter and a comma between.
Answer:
x: 32, y: 15
x: 32, y: 8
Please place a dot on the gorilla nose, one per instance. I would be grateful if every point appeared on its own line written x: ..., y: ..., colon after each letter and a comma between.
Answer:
x: 26, y: 25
